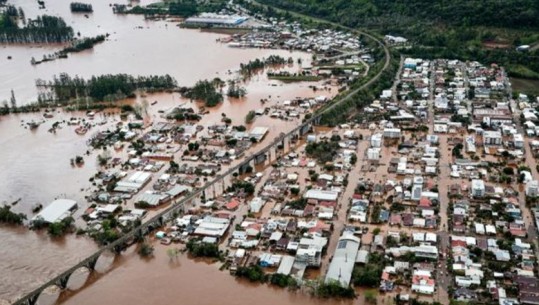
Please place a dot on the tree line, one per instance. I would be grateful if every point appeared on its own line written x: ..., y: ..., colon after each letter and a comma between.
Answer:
x: 79, y: 7
x: 258, y: 64
x: 382, y: 13
x: 180, y: 8
x: 76, y: 46
x: 43, y: 29
x: 100, y: 88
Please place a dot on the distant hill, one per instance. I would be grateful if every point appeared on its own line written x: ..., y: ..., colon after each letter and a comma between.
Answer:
x: 484, y: 30
x: 518, y: 14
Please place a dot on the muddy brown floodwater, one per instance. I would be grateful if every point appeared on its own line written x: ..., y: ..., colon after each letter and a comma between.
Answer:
x: 181, y: 281
x: 35, y: 165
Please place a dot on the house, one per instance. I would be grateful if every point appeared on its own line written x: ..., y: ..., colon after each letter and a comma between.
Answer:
x: 528, y: 289
x: 478, y: 188
x: 492, y: 138
x: 212, y: 226
x: 392, y: 133
x: 532, y: 188
x: 422, y: 282
x: 320, y: 195
x: 309, y: 250
x: 467, y: 281
x: 464, y: 294
x: 232, y: 205
x: 518, y: 140
x: 256, y: 204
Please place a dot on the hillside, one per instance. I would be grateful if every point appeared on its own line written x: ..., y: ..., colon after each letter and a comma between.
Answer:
x: 387, y: 13
x: 484, y: 30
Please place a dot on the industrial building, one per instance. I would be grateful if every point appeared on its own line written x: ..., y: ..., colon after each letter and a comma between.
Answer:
x: 211, y: 19
x: 58, y: 210
x: 344, y: 259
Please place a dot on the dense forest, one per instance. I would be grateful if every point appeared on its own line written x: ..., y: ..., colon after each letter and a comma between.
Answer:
x: 386, y: 13
x: 453, y: 29
x: 100, y: 88
x: 78, y: 7
x: 180, y: 8
x: 43, y: 29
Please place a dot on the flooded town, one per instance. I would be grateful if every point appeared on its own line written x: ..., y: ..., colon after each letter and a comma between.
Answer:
x: 241, y: 155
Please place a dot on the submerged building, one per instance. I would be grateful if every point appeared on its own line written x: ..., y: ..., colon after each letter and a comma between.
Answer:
x: 344, y: 259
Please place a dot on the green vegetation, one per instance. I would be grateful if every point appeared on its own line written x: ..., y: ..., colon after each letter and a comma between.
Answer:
x: 389, y: 13
x: 334, y: 290
x: 205, y: 91
x: 256, y: 65
x: 246, y: 187
x: 369, y: 275
x: 180, y: 114
x: 145, y: 249
x: 350, y: 108
x: 199, y: 249
x: 108, y: 233
x: 235, y: 90
x: 370, y: 296
x: 43, y: 29
x: 180, y: 8
x: 100, y: 88
x: 353, y: 159
x: 298, y: 204
x: 252, y: 273
x: 488, y: 31
x: 249, y: 118
x: 289, y: 78
x: 78, y: 7
x: 283, y: 281
x: 323, y: 151
x: 83, y: 44
x: 525, y: 85
x: 9, y: 217
x: 60, y: 228
x: 142, y: 205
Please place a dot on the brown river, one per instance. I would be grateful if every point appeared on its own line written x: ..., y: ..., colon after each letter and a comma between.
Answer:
x: 35, y: 164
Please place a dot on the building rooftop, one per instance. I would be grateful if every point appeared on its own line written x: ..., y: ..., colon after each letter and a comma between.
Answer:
x: 344, y: 259
x: 57, y: 210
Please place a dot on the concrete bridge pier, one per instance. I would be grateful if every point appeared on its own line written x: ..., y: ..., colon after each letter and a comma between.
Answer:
x: 138, y: 236
x: 62, y: 282
x: 91, y: 263
x: 317, y: 120
x: 32, y: 300
x: 242, y: 169
x: 260, y: 159
x: 305, y: 129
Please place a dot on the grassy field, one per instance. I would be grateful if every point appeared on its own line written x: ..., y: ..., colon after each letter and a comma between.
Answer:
x: 529, y: 86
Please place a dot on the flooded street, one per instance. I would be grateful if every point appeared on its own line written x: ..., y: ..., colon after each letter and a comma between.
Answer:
x: 35, y: 164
